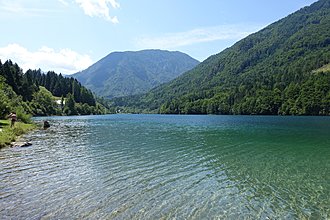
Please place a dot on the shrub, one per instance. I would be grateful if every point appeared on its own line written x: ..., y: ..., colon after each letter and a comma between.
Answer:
x: 22, y: 115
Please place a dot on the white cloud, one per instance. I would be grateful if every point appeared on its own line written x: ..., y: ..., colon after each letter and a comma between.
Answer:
x: 19, y: 8
x: 200, y: 35
x: 64, y: 61
x: 99, y: 8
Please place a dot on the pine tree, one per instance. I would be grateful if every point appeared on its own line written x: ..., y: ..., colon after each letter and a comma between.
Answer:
x: 70, y: 105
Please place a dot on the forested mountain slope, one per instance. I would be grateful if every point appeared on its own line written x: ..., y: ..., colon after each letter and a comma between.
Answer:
x: 282, y: 69
x: 129, y: 73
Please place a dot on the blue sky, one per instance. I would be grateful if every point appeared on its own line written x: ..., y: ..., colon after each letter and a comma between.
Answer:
x: 69, y: 35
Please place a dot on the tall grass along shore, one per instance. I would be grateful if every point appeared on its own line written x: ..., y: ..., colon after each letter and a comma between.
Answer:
x: 10, y: 134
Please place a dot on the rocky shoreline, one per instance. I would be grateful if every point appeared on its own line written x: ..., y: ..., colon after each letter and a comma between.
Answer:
x: 20, y: 144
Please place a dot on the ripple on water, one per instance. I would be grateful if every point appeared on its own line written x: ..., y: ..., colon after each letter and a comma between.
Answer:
x: 183, y: 167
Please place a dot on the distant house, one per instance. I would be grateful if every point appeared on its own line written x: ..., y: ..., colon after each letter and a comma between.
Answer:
x: 58, y: 102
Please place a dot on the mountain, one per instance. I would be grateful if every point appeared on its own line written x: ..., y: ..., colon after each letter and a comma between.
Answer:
x: 129, y: 73
x: 282, y: 69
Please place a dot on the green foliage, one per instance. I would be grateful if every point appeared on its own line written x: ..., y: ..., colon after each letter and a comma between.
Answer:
x: 61, y: 86
x: 22, y: 115
x: 70, y: 105
x: 33, y: 93
x: 84, y: 109
x: 4, y: 99
x: 43, y: 103
x: 10, y: 102
x: 127, y: 73
x: 282, y: 69
x: 8, y: 134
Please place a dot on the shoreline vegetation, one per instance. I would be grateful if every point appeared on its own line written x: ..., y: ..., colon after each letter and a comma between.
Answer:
x: 36, y: 93
x: 8, y: 134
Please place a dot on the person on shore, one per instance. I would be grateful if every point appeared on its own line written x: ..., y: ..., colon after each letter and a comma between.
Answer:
x: 13, y: 118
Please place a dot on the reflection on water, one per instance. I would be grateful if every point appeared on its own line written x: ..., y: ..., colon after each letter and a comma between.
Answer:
x: 155, y: 166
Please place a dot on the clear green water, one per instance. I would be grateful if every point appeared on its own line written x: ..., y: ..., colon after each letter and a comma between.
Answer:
x: 170, y: 167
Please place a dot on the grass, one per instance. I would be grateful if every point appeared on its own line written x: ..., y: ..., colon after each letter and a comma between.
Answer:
x: 324, y: 68
x: 8, y: 134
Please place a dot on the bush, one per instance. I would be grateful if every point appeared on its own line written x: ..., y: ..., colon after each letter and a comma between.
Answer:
x: 23, y: 116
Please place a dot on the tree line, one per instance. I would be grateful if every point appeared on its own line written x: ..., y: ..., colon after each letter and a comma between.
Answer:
x: 37, y: 93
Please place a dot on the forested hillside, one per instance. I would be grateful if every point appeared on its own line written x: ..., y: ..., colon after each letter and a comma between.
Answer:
x: 134, y: 72
x: 282, y: 69
x: 37, y: 93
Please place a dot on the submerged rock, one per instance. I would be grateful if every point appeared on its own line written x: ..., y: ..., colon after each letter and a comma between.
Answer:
x: 21, y: 144
x: 46, y: 124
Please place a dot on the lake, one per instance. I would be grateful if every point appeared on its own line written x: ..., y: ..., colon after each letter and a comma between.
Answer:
x: 170, y: 167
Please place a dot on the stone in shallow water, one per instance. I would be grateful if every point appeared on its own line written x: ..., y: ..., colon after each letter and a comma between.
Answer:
x: 21, y: 144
